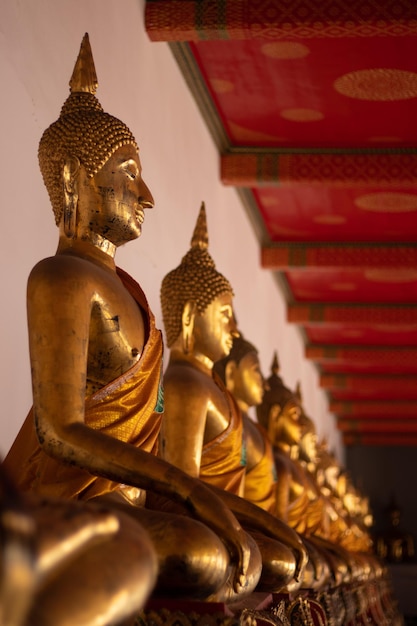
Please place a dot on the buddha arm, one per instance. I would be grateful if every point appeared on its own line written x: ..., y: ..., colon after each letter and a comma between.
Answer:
x: 283, y: 487
x: 184, y: 420
x: 256, y: 518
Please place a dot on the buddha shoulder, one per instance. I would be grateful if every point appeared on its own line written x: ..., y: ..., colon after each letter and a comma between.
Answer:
x: 181, y: 376
x: 62, y: 273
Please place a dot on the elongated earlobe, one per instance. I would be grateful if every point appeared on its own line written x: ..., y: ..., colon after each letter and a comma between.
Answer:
x: 188, y: 317
x: 70, y: 182
x: 229, y: 375
x: 273, y: 418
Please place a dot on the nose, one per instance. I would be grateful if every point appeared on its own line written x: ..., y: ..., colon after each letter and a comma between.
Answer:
x: 145, y: 196
x: 233, y: 327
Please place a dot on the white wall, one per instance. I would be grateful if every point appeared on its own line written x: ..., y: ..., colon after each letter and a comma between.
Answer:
x: 139, y: 82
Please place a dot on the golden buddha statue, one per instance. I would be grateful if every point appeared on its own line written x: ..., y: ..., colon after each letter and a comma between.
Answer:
x: 351, y: 516
x: 202, y: 431
x: 240, y: 372
x: 299, y: 501
x: 347, y: 513
x: 279, y: 414
x: 96, y: 358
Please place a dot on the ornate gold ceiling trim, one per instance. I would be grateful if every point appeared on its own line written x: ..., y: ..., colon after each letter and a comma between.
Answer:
x: 284, y: 256
x: 357, y: 314
x: 381, y: 168
x: 185, y: 20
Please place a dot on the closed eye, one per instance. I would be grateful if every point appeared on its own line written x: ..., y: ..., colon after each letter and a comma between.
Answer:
x: 131, y: 169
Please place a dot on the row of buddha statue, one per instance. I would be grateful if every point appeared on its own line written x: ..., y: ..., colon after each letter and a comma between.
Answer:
x: 126, y: 482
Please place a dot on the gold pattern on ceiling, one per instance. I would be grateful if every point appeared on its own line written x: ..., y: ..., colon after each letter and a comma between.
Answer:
x: 246, y: 134
x: 395, y: 328
x: 388, y: 275
x: 330, y: 220
x: 282, y: 231
x: 221, y: 86
x: 387, y: 202
x: 270, y: 201
x: 379, y: 84
x: 353, y: 333
x: 343, y: 286
x: 302, y: 115
x: 285, y: 50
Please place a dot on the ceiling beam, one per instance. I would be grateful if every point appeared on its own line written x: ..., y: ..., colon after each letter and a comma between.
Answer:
x: 364, y: 354
x: 395, y: 427
x: 343, y: 387
x: 379, y: 439
x: 369, y: 359
x: 187, y: 20
x: 332, y: 168
x: 351, y: 382
x: 352, y: 314
x: 282, y: 256
x: 374, y: 409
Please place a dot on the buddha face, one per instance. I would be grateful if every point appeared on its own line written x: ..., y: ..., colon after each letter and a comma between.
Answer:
x: 115, y: 198
x: 308, y: 446
x: 215, y: 328
x: 248, y: 380
x: 284, y: 425
x: 331, y: 474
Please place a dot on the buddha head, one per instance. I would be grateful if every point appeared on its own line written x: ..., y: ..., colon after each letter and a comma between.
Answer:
x: 308, y: 442
x: 280, y: 411
x: 240, y: 371
x: 88, y: 152
x: 197, y: 302
x: 308, y: 448
x: 328, y: 470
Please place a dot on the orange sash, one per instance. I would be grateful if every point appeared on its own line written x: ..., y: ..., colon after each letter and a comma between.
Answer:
x: 260, y: 481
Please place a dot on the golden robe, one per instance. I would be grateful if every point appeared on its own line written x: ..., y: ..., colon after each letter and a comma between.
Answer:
x: 260, y: 481
x: 223, y: 458
x: 129, y: 409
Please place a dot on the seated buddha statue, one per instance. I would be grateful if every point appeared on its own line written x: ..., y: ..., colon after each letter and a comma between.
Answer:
x: 299, y: 502
x: 240, y: 371
x: 308, y: 457
x: 346, y: 527
x: 350, y: 521
x: 280, y: 413
x: 202, y: 432
x: 96, y: 359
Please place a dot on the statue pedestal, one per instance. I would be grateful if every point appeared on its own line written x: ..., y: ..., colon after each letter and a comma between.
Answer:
x: 258, y: 608
x: 370, y: 603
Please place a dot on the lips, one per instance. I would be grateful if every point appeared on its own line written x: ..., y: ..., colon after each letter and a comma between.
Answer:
x: 140, y: 215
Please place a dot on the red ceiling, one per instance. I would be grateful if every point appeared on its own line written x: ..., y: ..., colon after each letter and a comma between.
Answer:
x: 313, y: 106
x: 299, y: 93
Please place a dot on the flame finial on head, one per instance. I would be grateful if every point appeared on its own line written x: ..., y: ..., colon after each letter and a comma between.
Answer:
x: 275, y: 364
x: 84, y: 77
x: 200, y: 235
x: 298, y: 392
x: 276, y: 393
